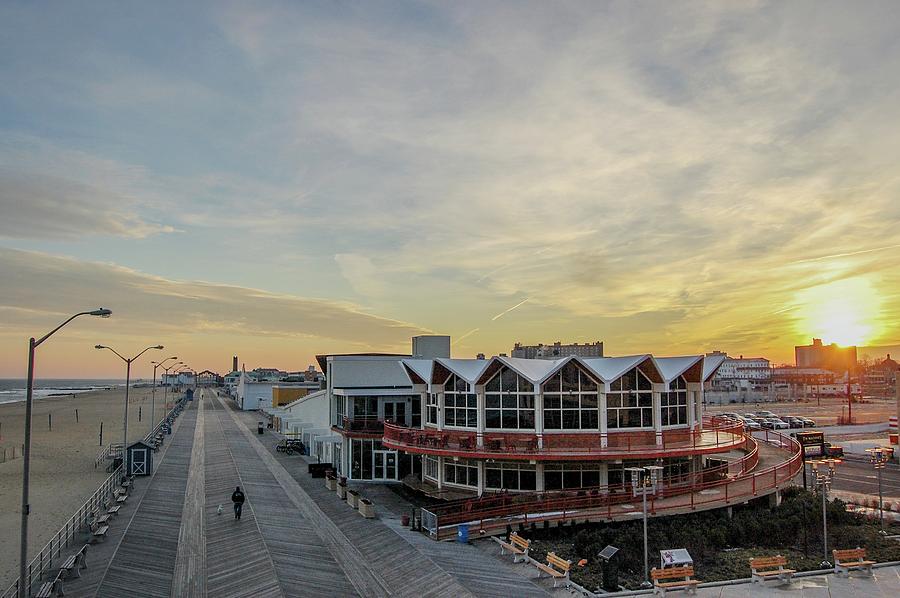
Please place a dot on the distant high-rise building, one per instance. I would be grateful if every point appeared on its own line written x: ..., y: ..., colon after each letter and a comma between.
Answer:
x: 234, y: 364
x: 557, y: 350
x: 830, y: 357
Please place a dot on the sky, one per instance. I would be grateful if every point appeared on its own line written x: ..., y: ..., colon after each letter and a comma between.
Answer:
x: 283, y: 179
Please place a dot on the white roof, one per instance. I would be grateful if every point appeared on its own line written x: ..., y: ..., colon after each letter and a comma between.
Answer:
x: 609, y: 369
x: 421, y: 367
x: 672, y: 367
x: 467, y: 369
x: 536, y: 370
x: 710, y: 364
x: 369, y: 372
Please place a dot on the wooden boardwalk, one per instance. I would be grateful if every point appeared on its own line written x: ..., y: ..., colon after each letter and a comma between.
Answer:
x: 295, y: 538
x: 144, y: 562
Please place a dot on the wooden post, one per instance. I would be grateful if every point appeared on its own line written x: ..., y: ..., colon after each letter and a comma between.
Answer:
x: 101, y: 432
x: 76, y: 415
x: 50, y: 421
x: 139, y: 412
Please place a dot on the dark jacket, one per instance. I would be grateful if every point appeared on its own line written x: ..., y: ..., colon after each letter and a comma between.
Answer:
x: 238, y: 497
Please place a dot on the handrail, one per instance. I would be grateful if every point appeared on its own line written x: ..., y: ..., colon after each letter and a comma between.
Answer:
x: 44, y: 560
x: 519, y: 509
x: 716, y: 433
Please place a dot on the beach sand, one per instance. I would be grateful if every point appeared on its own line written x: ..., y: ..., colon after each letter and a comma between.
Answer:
x: 62, y: 461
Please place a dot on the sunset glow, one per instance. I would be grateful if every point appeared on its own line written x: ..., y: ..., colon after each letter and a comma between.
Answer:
x: 845, y: 312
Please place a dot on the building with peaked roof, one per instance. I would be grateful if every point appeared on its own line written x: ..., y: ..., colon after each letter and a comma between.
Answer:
x: 521, y: 425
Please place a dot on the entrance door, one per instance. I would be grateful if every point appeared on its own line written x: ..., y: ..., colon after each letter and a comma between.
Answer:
x: 385, y: 465
x: 395, y: 411
x: 139, y: 462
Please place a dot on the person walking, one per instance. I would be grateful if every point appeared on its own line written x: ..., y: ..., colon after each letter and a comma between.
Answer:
x: 237, y: 497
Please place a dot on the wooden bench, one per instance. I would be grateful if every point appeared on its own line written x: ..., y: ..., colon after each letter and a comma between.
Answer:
x: 847, y: 560
x: 556, y: 568
x: 50, y: 589
x: 98, y: 531
x: 113, y: 510
x: 681, y: 577
x: 75, y: 563
x: 517, y: 545
x: 770, y: 567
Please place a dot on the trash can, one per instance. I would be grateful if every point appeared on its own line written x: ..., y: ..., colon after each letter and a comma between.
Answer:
x: 462, y: 533
x: 260, y: 427
x: 610, y: 562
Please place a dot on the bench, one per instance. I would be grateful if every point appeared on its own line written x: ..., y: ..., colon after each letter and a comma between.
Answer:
x: 556, y: 568
x: 770, y: 567
x: 114, y: 509
x: 75, y: 563
x: 50, y: 589
x: 517, y: 545
x: 98, y: 531
x: 680, y: 576
x: 847, y: 560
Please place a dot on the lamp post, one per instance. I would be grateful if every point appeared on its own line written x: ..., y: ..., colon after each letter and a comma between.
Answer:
x: 644, y: 481
x: 878, y: 457
x: 128, y: 362
x: 823, y: 481
x: 26, y: 453
x: 155, y: 364
x: 166, y: 383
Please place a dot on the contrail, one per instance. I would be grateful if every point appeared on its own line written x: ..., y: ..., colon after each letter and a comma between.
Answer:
x: 848, y: 254
x: 503, y: 313
x: 469, y: 333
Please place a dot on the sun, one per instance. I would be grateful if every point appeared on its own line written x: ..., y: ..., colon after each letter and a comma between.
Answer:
x: 843, y: 312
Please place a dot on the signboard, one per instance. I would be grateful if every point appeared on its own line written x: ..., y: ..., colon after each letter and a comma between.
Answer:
x: 813, y: 443
x: 678, y: 557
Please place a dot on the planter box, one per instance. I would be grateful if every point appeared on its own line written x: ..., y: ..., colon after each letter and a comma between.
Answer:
x: 353, y: 498
x: 342, y: 491
x: 367, y: 508
x: 331, y: 483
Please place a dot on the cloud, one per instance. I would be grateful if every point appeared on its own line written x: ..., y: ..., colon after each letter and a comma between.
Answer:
x: 40, y: 288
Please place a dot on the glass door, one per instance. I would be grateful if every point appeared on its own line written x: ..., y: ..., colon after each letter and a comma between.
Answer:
x: 385, y: 465
x: 395, y: 411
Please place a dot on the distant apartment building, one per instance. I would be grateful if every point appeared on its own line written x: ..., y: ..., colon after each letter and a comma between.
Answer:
x: 740, y: 379
x: 557, y: 350
x: 830, y: 357
x: 750, y: 369
x: 879, y: 379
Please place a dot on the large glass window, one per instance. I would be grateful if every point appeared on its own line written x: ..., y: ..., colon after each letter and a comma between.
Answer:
x: 431, y: 467
x: 501, y: 475
x: 416, y: 414
x: 509, y: 401
x: 364, y: 407
x: 462, y: 472
x: 629, y: 403
x: 431, y: 409
x: 674, y: 403
x: 460, y: 405
x: 340, y: 409
x: 563, y: 476
x: 570, y: 400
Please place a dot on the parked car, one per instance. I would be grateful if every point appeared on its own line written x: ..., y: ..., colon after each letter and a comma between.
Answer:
x: 808, y: 423
x: 750, y: 415
x: 765, y: 414
x: 731, y: 415
x: 777, y: 424
x: 750, y: 425
x: 794, y: 422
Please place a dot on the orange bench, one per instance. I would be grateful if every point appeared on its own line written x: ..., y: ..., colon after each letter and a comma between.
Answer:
x: 556, y: 568
x: 847, y: 560
x: 517, y: 545
x: 681, y: 577
x: 770, y: 567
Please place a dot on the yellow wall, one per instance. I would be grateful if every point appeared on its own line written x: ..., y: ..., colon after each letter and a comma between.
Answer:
x: 283, y: 396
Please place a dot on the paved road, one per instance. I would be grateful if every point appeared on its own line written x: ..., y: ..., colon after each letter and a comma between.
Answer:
x: 860, y: 477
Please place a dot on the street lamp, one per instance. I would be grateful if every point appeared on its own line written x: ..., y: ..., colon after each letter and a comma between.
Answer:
x: 26, y: 453
x: 878, y: 457
x: 823, y: 481
x: 645, y: 480
x: 155, y: 364
x: 127, y: 384
x: 166, y: 383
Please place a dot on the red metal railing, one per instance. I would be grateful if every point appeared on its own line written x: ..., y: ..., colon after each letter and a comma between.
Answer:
x: 706, y: 490
x: 717, y: 434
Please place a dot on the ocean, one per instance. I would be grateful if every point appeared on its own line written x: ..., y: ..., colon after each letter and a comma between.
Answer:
x: 13, y: 389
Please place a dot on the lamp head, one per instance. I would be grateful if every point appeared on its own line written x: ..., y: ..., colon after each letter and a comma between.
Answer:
x: 102, y: 312
x: 99, y: 347
x: 158, y: 347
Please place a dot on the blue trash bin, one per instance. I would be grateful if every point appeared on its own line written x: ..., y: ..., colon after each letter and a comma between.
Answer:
x: 462, y: 533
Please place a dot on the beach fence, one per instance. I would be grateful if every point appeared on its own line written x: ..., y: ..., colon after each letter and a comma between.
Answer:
x: 73, y: 532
